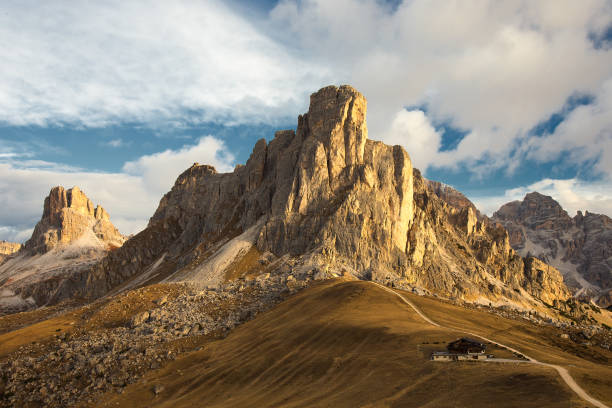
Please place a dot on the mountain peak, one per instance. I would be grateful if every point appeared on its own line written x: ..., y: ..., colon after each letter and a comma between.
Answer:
x: 68, y: 214
x: 578, y: 247
x: 535, y: 210
x: 324, y: 200
x: 7, y: 249
x: 337, y: 118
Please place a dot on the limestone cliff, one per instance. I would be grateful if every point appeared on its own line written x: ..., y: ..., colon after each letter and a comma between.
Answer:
x: 71, y: 236
x: 8, y: 248
x: 325, y: 198
x: 67, y: 216
x: 451, y: 196
x: 580, y: 247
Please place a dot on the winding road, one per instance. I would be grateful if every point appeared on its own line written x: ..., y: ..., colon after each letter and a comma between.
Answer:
x: 565, y: 375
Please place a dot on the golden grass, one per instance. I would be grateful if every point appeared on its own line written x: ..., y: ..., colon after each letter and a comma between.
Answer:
x: 341, y: 344
x: 590, y: 366
x: 18, y: 320
x: 247, y: 265
x: 113, y: 312
x: 37, y: 333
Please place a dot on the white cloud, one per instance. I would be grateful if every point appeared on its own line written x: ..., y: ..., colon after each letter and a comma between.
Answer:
x: 413, y: 130
x: 130, y: 196
x: 585, y: 135
x: 158, y: 171
x: 99, y: 63
x: 572, y: 194
x: 493, y: 68
x: 115, y: 143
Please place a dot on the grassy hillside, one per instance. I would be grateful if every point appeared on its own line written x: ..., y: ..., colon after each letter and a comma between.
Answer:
x: 351, y: 344
x: 591, y: 367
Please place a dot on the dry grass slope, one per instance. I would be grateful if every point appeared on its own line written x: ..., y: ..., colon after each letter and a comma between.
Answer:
x: 350, y: 344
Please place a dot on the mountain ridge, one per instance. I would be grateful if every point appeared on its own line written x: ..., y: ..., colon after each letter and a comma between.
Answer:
x: 326, y: 201
x: 580, y: 246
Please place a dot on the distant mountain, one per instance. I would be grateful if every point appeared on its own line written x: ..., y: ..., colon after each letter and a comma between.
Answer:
x: 8, y: 248
x: 70, y: 236
x: 580, y: 247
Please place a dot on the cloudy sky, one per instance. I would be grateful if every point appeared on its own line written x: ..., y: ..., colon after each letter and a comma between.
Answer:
x: 118, y: 97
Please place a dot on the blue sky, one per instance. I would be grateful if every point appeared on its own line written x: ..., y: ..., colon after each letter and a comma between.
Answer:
x: 494, y: 98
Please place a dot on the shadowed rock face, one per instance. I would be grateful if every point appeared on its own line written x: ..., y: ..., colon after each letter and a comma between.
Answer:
x: 536, y: 211
x: 581, y: 247
x: 67, y: 216
x: 346, y: 204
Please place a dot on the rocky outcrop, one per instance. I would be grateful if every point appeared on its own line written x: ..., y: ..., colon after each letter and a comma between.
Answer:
x: 67, y: 216
x: 337, y: 203
x: 451, y: 196
x: 605, y: 299
x: 101, y: 352
x: 8, y: 248
x: 580, y: 247
x: 71, y: 236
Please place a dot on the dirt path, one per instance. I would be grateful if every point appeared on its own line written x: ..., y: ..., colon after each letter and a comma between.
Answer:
x: 565, y: 375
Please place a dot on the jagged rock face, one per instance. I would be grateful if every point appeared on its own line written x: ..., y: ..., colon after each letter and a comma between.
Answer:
x: 544, y: 281
x: 453, y: 253
x: 536, y: 211
x: 330, y: 197
x: 71, y: 236
x: 8, y: 248
x: 451, y: 196
x: 67, y: 216
x: 580, y: 247
x: 325, y: 186
x: 605, y: 300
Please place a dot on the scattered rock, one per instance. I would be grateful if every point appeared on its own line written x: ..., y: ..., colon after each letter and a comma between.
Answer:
x: 161, y: 301
x: 158, y: 388
x: 139, y: 319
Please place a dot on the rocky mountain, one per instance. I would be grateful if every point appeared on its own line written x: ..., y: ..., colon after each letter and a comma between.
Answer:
x: 164, y: 316
x: 71, y: 236
x: 8, y: 248
x: 451, y: 196
x: 580, y: 247
x: 318, y: 202
x: 69, y: 215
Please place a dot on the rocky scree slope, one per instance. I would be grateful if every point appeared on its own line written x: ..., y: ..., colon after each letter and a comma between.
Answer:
x: 69, y: 238
x: 580, y: 247
x: 113, y: 342
x: 342, y: 203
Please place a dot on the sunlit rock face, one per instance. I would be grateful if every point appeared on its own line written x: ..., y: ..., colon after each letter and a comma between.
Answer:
x: 71, y: 236
x: 7, y: 249
x: 328, y: 198
x: 67, y: 216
